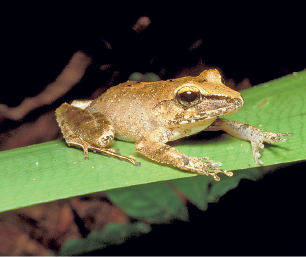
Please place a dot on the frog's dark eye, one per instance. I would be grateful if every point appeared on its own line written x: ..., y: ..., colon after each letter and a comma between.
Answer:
x: 188, y: 96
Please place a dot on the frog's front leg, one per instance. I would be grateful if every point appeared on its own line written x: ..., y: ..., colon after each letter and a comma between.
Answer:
x: 249, y: 133
x: 155, y: 148
x: 87, y: 130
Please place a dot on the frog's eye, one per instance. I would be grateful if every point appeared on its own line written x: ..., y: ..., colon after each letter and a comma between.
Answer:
x: 188, y: 96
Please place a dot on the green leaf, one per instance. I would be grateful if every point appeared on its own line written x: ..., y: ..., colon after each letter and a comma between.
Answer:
x: 201, y: 190
x: 51, y: 171
x: 155, y: 202
x: 195, y: 189
x: 112, y: 234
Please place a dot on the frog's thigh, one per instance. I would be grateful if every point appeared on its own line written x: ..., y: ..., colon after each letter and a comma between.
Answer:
x: 93, y: 128
x: 75, y: 140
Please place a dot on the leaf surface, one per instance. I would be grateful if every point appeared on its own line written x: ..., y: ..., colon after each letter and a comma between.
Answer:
x: 112, y: 234
x: 154, y: 202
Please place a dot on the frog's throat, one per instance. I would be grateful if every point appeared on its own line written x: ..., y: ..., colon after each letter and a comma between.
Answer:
x: 187, y: 129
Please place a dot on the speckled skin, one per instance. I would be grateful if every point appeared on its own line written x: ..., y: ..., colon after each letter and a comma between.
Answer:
x: 137, y: 109
x: 153, y: 113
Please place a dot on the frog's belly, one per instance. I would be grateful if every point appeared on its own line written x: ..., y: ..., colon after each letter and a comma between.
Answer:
x: 133, y: 132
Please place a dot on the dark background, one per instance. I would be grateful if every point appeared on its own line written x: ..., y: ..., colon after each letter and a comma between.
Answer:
x: 260, y: 43
x: 265, y: 217
x: 257, y: 42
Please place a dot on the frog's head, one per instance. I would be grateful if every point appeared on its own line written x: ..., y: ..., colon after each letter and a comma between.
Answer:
x: 201, y: 98
x: 207, y: 97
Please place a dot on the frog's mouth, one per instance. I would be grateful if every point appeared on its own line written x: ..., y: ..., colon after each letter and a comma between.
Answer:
x: 210, y: 109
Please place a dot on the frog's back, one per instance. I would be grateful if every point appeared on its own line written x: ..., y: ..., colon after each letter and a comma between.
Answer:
x: 129, y: 106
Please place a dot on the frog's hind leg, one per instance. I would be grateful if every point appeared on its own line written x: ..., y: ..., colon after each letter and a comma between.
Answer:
x: 79, y: 143
x: 88, y: 131
x: 114, y: 152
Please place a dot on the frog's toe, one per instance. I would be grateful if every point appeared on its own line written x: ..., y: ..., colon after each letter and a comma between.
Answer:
x: 215, y: 176
x: 213, y: 171
x: 85, y: 150
x: 211, y: 162
x: 278, y: 137
x: 204, y: 165
x: 257, y: 148
x: 216, y: 164
x: 271, y: 137
x: 227, y: 173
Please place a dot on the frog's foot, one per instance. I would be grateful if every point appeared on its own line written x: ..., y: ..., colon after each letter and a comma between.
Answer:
x: 265, y: 136
x: 244, y: 131
x: 205, y: 166
x: 109, y: 151
x: 162, y: 153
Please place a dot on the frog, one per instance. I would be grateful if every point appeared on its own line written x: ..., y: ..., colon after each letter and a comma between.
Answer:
x: 151, y: 114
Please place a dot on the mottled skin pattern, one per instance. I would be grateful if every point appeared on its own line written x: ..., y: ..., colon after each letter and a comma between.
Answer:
x: 153, y: 113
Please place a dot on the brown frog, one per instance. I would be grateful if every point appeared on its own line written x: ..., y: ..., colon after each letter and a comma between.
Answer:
x: 153, y: 113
